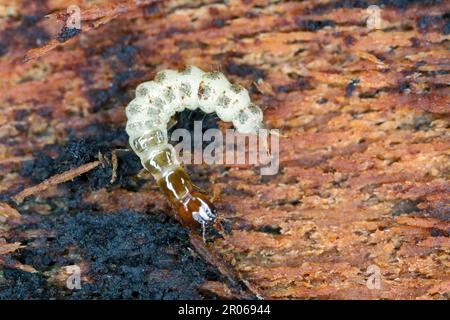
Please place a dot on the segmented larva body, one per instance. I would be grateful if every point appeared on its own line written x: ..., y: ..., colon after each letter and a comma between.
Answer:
x: 148, y: 117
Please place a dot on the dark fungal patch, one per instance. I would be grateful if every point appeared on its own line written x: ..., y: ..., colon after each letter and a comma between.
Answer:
x: 21, y: 114
x: 121, y: 59
x: 404, y: 86
x: 349, y: 40
x: 405, y: 207
x: 270, y: 229
x: 350, y: 87
x: 123, y: 51
x: 401, y: 4
x: 300, y: 83
x: 98, y: 98
x: 186, y: 119
x: 55, y: 159
x: 75, y: 153
x: 21, y: 285
x: 218, y: 22
x: 45, y: 112
x: 184, y: 44
x: 27, y: 34
x: 312, y: 25
x: 152, y: 9
x: 422, y: 122
x: 107, y: 138
x: 322, y: 100
x: 116, y: 91
x: 67, y: 33
x: 251, y: 14
x: 439, y: 23
x: 435, y: 232
x: 446, y: 26
x: 244, y: 70
x: 324, y: 7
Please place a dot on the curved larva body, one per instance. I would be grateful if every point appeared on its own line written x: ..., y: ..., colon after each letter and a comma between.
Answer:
x: 148, y: 116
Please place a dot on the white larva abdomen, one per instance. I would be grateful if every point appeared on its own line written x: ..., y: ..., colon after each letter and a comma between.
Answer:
x: 211, y: 85
x: 170, y: 92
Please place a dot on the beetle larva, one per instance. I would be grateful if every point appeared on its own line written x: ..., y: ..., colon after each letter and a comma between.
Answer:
x: 148, y: 116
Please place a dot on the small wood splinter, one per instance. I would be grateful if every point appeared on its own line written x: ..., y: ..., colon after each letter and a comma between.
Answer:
x: 149, y: 115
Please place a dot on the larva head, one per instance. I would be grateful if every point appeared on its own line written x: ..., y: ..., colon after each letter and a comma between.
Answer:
x: 197, y: 208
